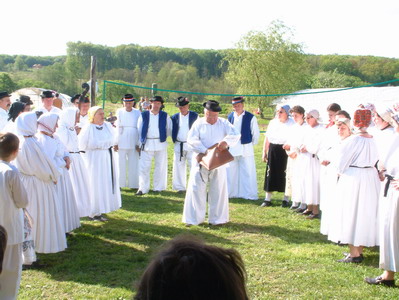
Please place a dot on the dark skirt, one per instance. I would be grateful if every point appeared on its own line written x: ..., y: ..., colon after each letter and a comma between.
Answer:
x: 275, y: 169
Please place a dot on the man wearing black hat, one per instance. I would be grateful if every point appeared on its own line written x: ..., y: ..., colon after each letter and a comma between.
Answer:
x: 48, y: 101
x: 241, y: 173
x: 181, y: 124
x: 5, y: 103
x: 127, y: 141
x: 205, y: 133
x: 154, y: 127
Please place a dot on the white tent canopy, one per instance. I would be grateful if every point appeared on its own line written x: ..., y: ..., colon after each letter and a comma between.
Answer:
x: 34, y: 94
x: 348, y: 99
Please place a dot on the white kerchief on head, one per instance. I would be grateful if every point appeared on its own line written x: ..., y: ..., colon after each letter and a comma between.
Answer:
x: 68, y: 117
x: 47, y: 122
x: 26, y: 124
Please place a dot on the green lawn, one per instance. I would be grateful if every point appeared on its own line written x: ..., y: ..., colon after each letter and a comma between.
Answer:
x: 285, y: 255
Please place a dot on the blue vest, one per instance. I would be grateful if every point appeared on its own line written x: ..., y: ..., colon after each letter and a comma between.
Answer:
x: 246, y: 134
x: 192, y: 116
x: 161, y: 124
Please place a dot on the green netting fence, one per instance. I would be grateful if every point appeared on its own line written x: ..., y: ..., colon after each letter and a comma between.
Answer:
x: 115, y: 94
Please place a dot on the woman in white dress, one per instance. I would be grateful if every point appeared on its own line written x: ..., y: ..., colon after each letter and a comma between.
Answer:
x: 328, y: 204
x: 39, y: 175
x: 292, y: 147
x: 98, y: 138
x: 66, y: 132
x: 55, y: 150
x: 310, y: 165
x: 389, y: 224
x: 356, y: 222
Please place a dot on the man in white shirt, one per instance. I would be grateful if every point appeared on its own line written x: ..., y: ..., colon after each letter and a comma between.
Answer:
x: 154, y: 127
x: 5, y: 103
x: 205, y: 133
x: 181, y: 124
x: 48, y: 103
x: 241, y: 173
x: 127, y: 142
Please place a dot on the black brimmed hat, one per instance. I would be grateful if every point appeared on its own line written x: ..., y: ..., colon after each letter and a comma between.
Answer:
x: 157, y: 98
x: 47, y: 94
x: 4, y: 94
x: 128, y: 98
x: 25, y: 99
x: 181, y: 101
x: 212, y: 105
x: 238, y: 99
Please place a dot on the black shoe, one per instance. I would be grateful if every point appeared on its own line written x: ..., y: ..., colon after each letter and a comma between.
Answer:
x: 313, y: 216
x: 285, y: 204
x: 266, y: 203
x: 300, y: 210
x: 101, y: 218
x: 307, y: 212
x: 349, y: 259
x: 379, y: 281
x: 139, y: 193
x: 294, y: 207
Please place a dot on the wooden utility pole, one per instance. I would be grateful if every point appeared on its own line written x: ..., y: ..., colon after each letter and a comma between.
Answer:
x: 93, y: 81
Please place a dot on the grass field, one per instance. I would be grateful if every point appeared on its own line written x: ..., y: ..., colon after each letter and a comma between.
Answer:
x: 285, y: 255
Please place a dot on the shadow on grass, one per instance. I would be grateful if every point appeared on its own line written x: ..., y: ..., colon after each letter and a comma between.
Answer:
x: 154, y: 202
x: 295, y: 236
x: 114, y: 253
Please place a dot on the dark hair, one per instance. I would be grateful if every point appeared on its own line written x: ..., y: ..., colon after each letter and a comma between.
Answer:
x: 3, y: 244
x: 84, y: 100
x: 334, y: 107
x: 298, y: 109
x: 9, y: 142
x: 189, y: 269
x: 344, y: 113
x: 15, y: 109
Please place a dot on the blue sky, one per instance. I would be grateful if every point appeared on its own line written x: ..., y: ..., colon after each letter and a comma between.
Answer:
x: 354, y: 27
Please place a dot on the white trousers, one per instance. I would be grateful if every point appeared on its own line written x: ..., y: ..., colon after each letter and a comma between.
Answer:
x: 197, y: 195
x: 241, y: 177
x: 10, y: 278
x: 160, y: 170
x: 130, y: 177
x: 180, y: 169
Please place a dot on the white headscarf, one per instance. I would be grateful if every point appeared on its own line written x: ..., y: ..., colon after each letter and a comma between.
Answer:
x: 26, y: 124
x: 66, y: 129
x: 47, y: 122
x: 31, y: 159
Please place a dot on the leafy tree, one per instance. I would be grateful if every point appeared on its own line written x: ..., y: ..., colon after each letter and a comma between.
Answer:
x: 25, y: 83
x: 6, y: 83
x: 266, y: 63
x: 19, y: 64
x: 334, y: 80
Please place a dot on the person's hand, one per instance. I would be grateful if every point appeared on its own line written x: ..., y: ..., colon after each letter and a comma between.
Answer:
x: 293, y: 155
x: 303, y: 149
x: 138, y: 149
x: 199, y: 157
x: 67, y: 162
x: 222, y: 146
x: 116, y: 148
x: 325, y: 162
x: 395, y: 184
x: 264, y: 157
x: 381, y: 175
x: 286, y: 147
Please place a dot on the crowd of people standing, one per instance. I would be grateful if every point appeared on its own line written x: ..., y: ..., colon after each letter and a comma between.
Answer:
x: 72, y: 164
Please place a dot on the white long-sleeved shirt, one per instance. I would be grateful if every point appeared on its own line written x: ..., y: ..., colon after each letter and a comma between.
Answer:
x: 203, y: 135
